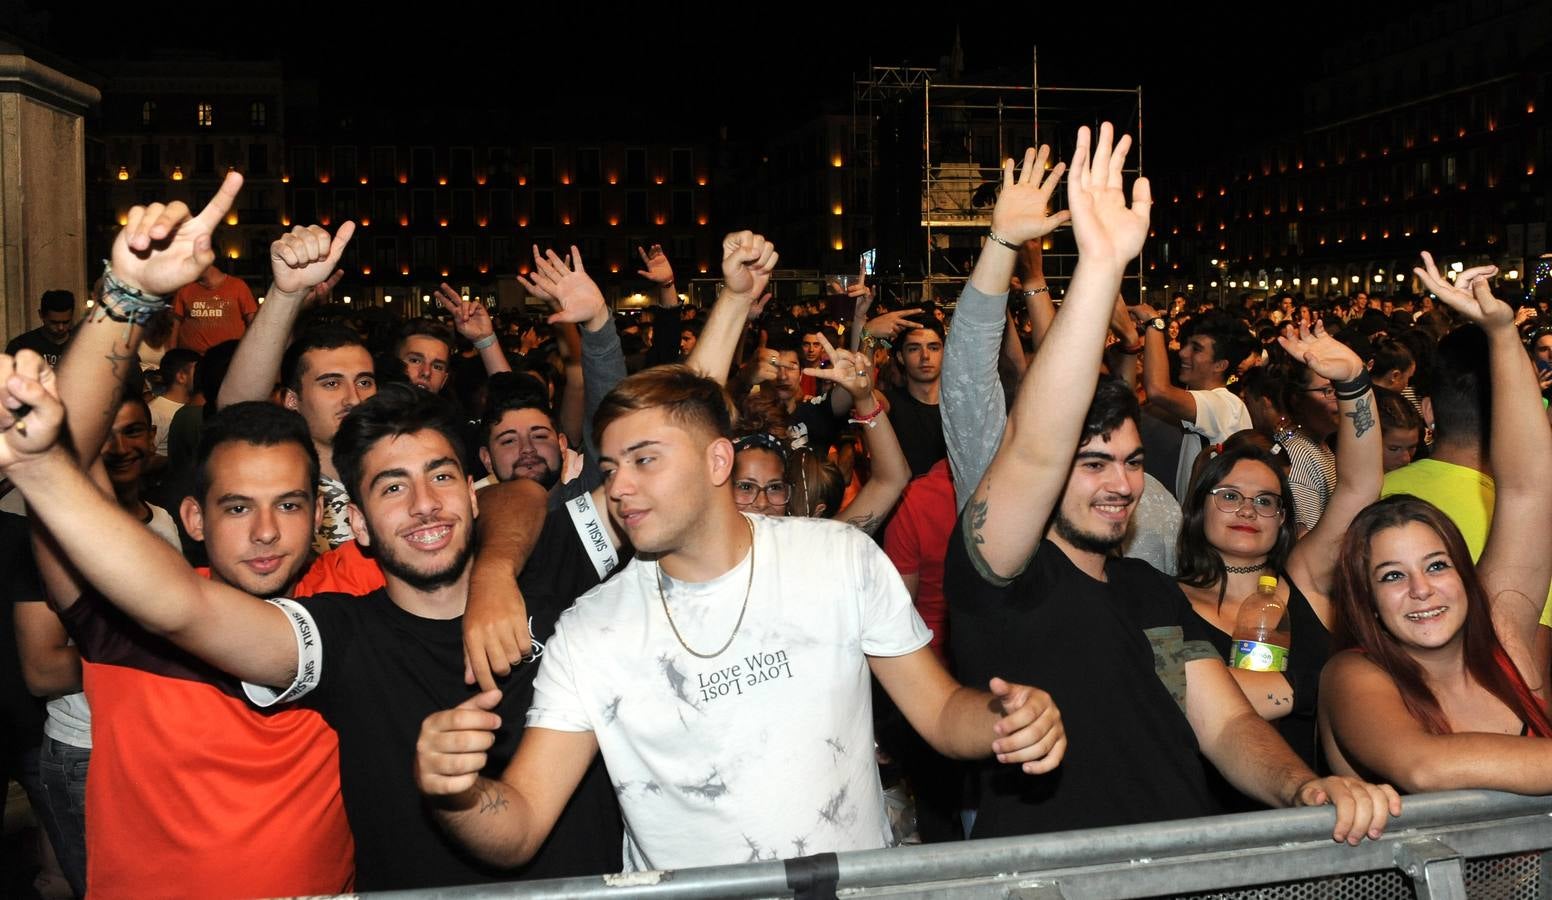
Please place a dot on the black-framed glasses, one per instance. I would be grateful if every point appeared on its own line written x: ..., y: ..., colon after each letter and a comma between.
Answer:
x: 777, y: 493
x: 1325, y: 391
x: 1232, y: 500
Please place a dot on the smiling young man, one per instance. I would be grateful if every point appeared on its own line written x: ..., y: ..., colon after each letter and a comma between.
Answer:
x: 1207, y: 411
x: 375, y: 665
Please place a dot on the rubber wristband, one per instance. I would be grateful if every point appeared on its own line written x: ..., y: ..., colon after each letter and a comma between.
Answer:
x: 1352, y: 390
x: 485, y: 341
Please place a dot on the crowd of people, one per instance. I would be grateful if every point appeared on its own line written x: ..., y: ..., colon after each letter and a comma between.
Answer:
x: 307, y: 602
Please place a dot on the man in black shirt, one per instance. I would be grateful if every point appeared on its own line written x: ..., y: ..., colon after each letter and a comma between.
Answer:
x: 1034, y: 589
x: 57, y: 310
x: 914, y: 408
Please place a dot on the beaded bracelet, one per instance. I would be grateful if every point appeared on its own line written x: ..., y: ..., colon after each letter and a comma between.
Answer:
x: 869, y: 420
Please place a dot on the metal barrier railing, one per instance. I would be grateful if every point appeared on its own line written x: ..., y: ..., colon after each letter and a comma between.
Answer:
x: 1456, y: 844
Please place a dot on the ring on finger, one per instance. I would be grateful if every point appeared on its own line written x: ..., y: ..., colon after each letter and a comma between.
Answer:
x: 21, y: 427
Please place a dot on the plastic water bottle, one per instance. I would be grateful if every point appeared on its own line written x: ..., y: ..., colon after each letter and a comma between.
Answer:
x: 1261, y: 634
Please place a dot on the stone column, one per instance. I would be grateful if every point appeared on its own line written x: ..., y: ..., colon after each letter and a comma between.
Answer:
x: 42, y: 186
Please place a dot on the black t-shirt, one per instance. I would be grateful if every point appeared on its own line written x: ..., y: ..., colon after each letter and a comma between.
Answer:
x: 21, y: 714
x: 814, y: 425
x: 919, y: 426
x: 1112, y: 655
x: 38, y: 341
x: 385, y: 670
x: 1307, y: 655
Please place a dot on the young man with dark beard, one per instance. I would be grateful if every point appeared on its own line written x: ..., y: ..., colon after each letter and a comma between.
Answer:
x: 1035, y: 589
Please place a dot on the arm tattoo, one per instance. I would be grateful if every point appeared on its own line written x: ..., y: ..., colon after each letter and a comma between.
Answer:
x: 975, y: 516
x: 1362, y: 416
x: 492, y: 800
x: 868, y: 523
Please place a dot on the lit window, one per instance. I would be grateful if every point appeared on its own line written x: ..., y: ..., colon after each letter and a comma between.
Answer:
x: 258, y: 114
x: 206, y: 115
x: 148, y: 113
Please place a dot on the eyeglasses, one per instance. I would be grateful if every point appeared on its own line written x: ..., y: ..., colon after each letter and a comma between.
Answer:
x: 1326, y: 391
x: 1232, y: 501
x: 777, y: 493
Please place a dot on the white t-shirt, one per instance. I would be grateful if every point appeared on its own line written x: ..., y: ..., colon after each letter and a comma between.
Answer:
x: 162, y: 411
x: 1218, y: 415
x: 765, y: 751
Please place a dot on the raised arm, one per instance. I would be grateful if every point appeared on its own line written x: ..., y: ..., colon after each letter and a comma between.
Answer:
x: 747, y: 262
x: 472, y: 320
x: 136, y: 570
x: 1007, y: 515
x: 160, y: 249
x: 1516, y: 564
x: 301, y: 263
x: 665, y: 315
x: 1163, y: 396
x: 891, y: 470
x: 565, y: 284
x: 971, y: 398
x: 1360, y: 457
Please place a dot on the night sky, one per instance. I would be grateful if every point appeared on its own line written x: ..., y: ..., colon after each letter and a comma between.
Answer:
x: 757, y: 68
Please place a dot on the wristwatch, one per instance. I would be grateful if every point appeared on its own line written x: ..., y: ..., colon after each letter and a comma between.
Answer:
x: 1158, y: 324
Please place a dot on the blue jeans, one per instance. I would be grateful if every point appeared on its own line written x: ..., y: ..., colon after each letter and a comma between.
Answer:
x: 62, y: 769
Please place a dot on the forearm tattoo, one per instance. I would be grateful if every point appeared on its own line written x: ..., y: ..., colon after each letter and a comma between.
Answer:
x: 492, y: 800
x: 1362, y: 416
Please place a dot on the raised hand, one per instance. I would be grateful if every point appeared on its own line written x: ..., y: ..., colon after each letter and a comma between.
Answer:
x: 450, y: 751
x: 1021, y: 210
x: 1031, y: 730
x: 1105, y: 228
x: 31, y: 414
x: 471, y: 318
x: 890, y: 324
x: 1325, y: 355
x: 747, y: 262
x: 303, y: 258
x: 657, y: 270
x: 162, y: 247
x: 1470, y: 295
x: 565, y: 282
x: 860, y: 293
x: 847, y: 369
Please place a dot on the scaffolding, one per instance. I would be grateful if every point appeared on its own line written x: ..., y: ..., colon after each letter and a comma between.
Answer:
x: 965, y: 131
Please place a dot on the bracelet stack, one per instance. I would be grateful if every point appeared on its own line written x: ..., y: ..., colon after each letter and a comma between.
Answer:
x: 122, y: 303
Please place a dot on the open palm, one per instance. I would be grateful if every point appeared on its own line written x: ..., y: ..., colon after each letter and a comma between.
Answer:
x: 1105, y: 228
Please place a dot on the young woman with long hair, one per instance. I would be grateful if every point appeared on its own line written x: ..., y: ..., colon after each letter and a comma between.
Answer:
x: 1238, y: 525
x: 1443, y: 669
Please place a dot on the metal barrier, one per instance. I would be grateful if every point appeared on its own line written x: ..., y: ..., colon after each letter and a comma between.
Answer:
x: 1478, y: 844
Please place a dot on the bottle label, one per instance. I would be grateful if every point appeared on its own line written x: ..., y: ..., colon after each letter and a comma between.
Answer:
x: 1259, y: 657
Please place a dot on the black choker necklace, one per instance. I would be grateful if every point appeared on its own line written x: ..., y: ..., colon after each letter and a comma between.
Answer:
x: 1244, y: 570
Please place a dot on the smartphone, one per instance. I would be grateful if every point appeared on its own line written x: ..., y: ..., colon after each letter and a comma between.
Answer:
x: 869, y: 258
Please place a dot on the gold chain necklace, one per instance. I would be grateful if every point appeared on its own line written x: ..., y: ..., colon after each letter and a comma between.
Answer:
x: 736, y: 625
